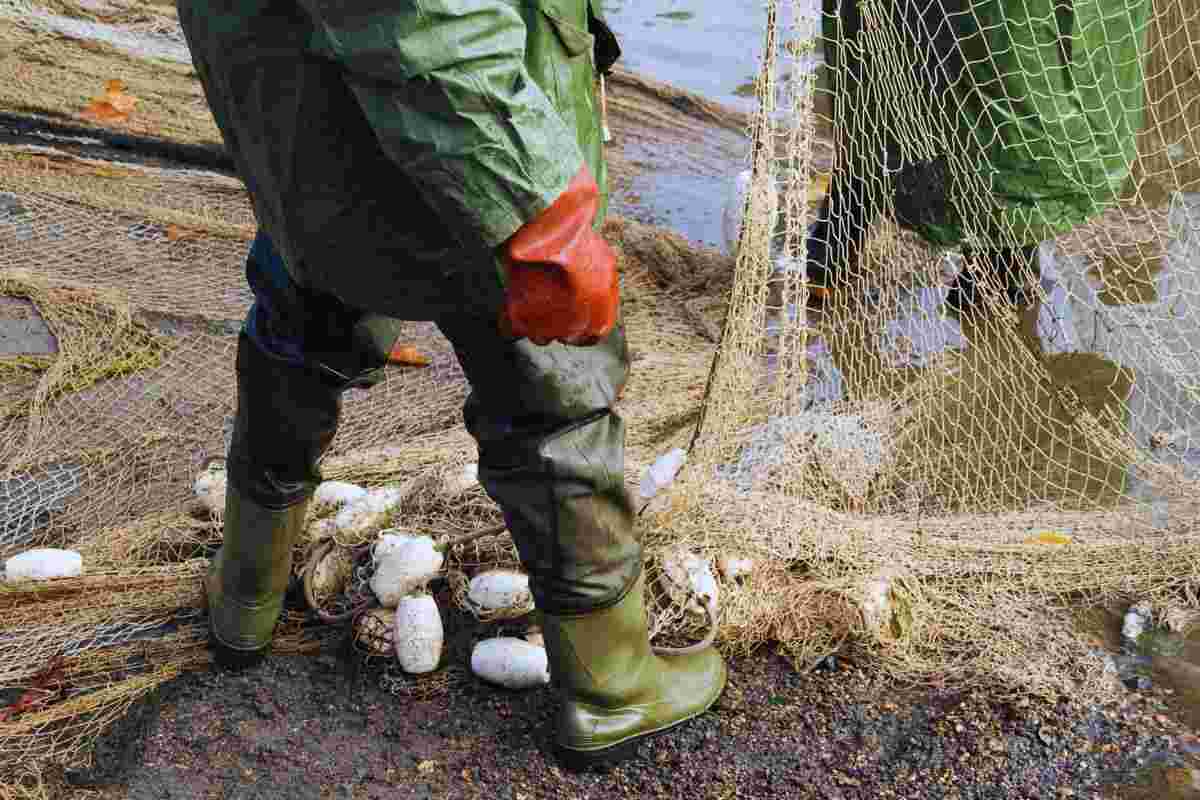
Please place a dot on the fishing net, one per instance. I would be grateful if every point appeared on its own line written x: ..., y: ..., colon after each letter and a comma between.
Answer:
x: 936, y: 491
x: 955, y: 446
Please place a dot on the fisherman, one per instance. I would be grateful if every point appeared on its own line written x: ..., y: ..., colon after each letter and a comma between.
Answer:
x: 440, y: 160
x: 1021, y: 118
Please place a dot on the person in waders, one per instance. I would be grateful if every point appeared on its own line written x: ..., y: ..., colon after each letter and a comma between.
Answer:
x: 440, y: 160
x: 1031, y: 108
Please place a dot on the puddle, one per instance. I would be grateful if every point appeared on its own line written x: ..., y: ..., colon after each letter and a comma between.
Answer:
x: 1173, y: 659
x: 22, y: 330
x: 1166, y: 781
x: 686, y: 203
x: 920, y: 331
x: 1143, y: 355
x: 707, y: 46
x: 1159, y: 337
x: 25, y: 337
x: 688, y: 43
x: 1164, y: 330
x: 690, y: 204
x: 824, y: 384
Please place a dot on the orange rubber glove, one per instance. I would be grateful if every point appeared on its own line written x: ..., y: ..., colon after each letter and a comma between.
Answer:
x: 561, y: 275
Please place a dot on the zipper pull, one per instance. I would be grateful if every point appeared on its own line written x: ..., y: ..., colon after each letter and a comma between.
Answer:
x: 605, y: 133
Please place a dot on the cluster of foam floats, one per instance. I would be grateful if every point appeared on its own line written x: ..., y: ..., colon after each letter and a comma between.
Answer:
x: 383, y: 586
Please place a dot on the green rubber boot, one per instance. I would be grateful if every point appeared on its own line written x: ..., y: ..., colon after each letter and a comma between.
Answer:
x: 617, y: 691
x: 249, y: 576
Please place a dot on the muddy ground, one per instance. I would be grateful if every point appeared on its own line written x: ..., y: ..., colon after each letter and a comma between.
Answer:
x: 320, y: 727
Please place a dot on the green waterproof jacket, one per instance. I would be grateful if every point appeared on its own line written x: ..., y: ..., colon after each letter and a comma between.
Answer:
x: 1014, y: 120
x: 390, y: 146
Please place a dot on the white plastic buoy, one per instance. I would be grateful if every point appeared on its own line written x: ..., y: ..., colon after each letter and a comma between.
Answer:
x: 876, y: 603
x: 885, y: 606
x: 1136, y: 621
x: 510, y: 662
x: 500, y: 590
x: 418, y: 633
x: 209, y: 489
x: 43, y: 564
x: 338, y: 494
x: 404, y: 563
x: 332, y: 572
x: 733, y: 566
x: 690, y: 580
x: 661, y: 473
x: 321, y: 529
x: 376, y: 631
x: 370, y: 511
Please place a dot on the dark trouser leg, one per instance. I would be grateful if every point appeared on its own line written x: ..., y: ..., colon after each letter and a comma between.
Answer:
x: 286, y: 418
x: 997, y: 273
x: 296, y: 354
x: 551, y: 453
x: 837, y: 237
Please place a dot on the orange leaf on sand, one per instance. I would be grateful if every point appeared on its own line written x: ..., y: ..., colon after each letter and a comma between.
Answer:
x: 176, y: 233
x: 408, y: 356
x: 101, y: 111
x: 113, y: 106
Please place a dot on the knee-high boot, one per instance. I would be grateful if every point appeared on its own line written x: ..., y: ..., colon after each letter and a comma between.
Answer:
x: 286, y: 418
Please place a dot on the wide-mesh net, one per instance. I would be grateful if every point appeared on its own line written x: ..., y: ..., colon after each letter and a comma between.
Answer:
x: 937, y: 490
x: 955, y: 478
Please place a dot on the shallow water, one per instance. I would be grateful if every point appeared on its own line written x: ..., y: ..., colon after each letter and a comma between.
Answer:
x: 711, y: 47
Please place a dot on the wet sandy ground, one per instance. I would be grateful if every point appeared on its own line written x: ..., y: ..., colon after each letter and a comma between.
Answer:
x: 320, y: 727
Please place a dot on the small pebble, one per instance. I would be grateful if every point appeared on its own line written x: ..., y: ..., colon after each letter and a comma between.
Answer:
x: 827, y: 664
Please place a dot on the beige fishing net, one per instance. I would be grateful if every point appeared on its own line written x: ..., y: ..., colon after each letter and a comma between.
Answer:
x: 943, y: 486
x: 936, y: 493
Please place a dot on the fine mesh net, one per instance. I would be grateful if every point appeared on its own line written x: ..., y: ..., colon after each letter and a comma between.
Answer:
x: 935, y: 488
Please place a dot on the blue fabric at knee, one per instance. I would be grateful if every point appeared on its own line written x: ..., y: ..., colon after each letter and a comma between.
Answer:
x: 273, y: 291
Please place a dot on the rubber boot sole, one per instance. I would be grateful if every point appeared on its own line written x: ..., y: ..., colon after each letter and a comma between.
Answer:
x: 233, y: 660
x: 583, y: 760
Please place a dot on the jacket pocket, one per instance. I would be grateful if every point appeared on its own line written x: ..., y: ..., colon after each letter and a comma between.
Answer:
x: 575, y: 40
